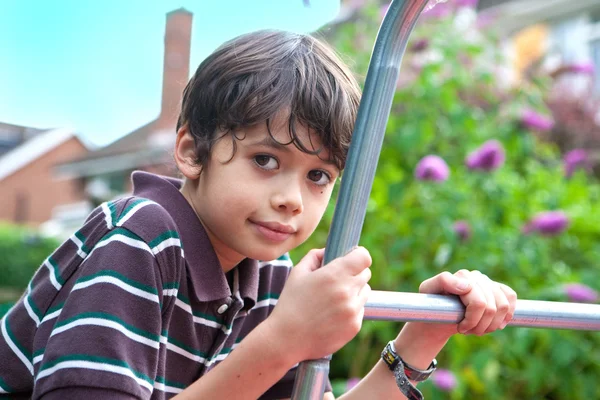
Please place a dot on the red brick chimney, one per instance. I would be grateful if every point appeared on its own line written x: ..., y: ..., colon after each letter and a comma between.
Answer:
x: 176, y: 65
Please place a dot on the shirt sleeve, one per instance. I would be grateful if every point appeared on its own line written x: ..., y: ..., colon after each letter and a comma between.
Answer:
x: 106, y: 340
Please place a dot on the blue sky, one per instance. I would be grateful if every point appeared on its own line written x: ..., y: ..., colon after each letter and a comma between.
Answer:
x: 96, y: 65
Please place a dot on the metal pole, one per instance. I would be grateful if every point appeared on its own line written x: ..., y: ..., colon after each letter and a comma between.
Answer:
x: 363, y: 155
x: 394, y: 306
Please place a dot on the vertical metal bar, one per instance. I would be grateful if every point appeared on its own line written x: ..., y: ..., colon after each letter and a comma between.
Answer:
x: 363, y: 156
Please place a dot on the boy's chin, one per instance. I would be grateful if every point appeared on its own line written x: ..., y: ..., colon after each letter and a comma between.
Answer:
x: 268, y: 254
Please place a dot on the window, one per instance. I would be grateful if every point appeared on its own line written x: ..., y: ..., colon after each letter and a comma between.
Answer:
x: 595, y: 53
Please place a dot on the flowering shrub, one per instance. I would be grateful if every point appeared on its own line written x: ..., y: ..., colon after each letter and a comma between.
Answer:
x: 506, y: 209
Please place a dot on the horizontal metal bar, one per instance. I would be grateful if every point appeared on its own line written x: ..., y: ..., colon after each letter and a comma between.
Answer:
x: 400, y: 306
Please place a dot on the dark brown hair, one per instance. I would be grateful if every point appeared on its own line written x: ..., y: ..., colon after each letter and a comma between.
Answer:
x: 252, y: 78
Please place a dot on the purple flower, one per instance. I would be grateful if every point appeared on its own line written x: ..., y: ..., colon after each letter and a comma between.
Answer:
x: 419, y: 45
x: 467, y: 3
x: 438, y: 10
x: 350, y: 383
x: 488, y: 157
x: 432, y: 168
x: 580, y: 293
x: 532, y: 120
x: 463, y: 230
x: 383, y: 10
x: 444, y: 380
x: 575, y: 159
x: 547, y: 223
x: 586, y: 68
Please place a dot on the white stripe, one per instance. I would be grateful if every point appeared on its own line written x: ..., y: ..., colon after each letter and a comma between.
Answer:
x: 130, y: 213
x: 108, y: 324
x: 51, y: 270
x: 107, y: 216
x: 200, y: 320
x: 14, y: 347
x: 94, y: 366
x: 28, y: 307
x: 222, y: 356
x: 183, y: 306
x: 79, y: 244
x: 164, y: 388
x: 117, y: 282
x: 37, y: 359
x: 185, y: 353
x: 52, y: 315
x: 170, y: 292
x: 212, y: 324
x: 265, y: 303
x: 123, y: 239
x: 276, y: 263
x: 2, y: 390
x: 166, y: 243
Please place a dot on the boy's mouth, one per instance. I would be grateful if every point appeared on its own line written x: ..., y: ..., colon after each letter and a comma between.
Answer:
x: 273, y: 231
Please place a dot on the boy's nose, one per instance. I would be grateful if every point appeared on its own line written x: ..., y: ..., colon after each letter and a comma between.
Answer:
x: 288, y: 199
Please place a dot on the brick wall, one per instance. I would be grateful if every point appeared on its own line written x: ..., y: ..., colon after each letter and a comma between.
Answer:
x: 28, y: 195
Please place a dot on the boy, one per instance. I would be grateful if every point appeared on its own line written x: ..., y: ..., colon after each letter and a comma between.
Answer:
x: 149, y: 298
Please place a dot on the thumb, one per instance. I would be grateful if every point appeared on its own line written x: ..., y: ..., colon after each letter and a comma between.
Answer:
x: 311, y: 261
x: 445, y: 283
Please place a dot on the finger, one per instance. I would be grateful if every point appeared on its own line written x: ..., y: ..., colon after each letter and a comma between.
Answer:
x: 489, y: 310
x: 502, y: 307
x: 475, y: 303
x: 352, y: 263
x: 312, y: 260
x: 445, y: 283
x: 363, y: 294
x: 362, y: 278
x: 511, y: 295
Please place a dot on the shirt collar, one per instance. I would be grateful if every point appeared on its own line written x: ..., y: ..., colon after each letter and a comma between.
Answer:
x: 204, y: 269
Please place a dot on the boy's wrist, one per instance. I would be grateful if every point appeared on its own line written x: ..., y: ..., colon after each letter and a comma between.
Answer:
x: 279, y: 343
x: 418, y: 343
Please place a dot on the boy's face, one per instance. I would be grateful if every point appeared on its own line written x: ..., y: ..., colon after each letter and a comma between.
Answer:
x: 267, y: 199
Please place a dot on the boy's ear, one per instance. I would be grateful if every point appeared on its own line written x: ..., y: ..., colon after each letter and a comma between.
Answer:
x: 185, y: 154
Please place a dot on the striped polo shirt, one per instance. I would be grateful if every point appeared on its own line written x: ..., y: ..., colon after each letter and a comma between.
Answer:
x: 134, y: 305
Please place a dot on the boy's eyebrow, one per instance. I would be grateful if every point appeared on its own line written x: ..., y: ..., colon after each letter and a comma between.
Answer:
x: 268, y: 141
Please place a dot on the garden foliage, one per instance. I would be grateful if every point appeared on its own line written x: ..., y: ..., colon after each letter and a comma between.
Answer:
x: 22, y: 251
x: 505, y: 207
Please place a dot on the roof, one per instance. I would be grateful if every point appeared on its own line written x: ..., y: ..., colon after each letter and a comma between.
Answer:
x: 144, y: 146
x: 12, y: 135
x: 483, y: 4
x: 512, y: 15
x: 32, y: 149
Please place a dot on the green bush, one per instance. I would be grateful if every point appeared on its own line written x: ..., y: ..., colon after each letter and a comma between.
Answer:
x: 455, y: 103
x: 22, y: 251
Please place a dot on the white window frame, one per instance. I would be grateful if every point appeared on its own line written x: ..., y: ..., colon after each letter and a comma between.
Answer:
x: 594, y: 45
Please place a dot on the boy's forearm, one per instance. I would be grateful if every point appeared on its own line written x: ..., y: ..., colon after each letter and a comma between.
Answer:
x: 415, y: 347
x: 257, y: 363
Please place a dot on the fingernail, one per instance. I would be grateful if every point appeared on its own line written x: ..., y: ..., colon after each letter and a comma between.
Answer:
x: 462, y: 284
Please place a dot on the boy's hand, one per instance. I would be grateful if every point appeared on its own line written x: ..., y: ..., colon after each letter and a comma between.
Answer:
x: 321, y: 309
x: 489, y: 305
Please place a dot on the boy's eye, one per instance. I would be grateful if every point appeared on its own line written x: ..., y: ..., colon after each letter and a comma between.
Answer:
x: 266, y: 162
x: 319, y: 177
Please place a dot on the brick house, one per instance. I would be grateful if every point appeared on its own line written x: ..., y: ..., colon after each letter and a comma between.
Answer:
x: 29, y: 189
x: 565, y: 31
x: 105, y: 173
